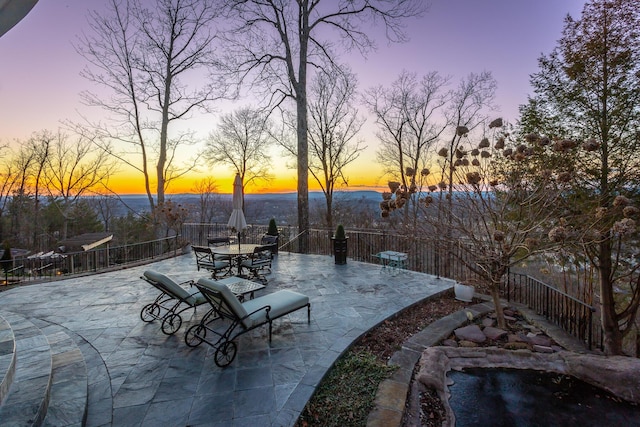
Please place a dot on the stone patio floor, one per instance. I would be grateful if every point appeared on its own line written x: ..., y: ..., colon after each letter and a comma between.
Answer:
x: 139, y: 376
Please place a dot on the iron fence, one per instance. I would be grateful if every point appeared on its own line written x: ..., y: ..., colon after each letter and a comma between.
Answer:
x: 574, y: 316
x: 52, y: 266
x: 427, y: 256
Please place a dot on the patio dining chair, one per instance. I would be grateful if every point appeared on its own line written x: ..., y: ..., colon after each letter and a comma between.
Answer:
x: 258, y: 263
x: 269, y: 240
x: 220, y: 241
x: 205, y: 259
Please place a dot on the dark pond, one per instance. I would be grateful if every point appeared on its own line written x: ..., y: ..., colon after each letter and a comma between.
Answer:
x: 518, y: 398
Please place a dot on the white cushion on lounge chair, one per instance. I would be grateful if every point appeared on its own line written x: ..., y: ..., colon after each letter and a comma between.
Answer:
x: 229, y: 297
x: 175, y: 289
x: 281, y: 302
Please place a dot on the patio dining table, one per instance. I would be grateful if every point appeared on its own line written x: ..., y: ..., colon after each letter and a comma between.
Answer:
x: 235, y: 252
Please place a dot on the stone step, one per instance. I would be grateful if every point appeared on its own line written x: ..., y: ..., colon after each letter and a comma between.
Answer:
x: 69, y: 396
x: 91, y: 396
x: 28, y: 393
x: 7, y: 357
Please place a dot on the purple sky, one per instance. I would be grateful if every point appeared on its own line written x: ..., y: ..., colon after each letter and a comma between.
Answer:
x: 40, y: 82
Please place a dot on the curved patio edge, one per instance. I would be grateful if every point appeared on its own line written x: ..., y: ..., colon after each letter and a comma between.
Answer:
x: 153, y: 378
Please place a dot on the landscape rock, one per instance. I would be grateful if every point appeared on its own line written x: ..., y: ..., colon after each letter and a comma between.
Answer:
x: 542, y: 349
x: 517, y: 345
x: 619, y: 375
x: 531, y: 328
x: 517, y: 338
x: 450, y: 343
x: 494, y: 333
x: 486, y: 322
x: 541, y: 340
x: 471, y: 333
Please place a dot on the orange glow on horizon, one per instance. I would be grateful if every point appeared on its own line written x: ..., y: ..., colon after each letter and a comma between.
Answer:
x: 134, y: 184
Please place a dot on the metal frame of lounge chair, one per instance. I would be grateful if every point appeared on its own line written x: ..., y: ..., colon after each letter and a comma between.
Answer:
x: 170, y: 303
x: 241, y: 317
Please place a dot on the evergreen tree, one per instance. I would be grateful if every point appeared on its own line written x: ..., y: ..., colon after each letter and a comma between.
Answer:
x: 586, y: 113
x: 6, y: 259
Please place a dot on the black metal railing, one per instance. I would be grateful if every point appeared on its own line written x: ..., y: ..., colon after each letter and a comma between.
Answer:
x: 47, y: 267
x: 198, y: 234
x: 426, y: 256
x: 574, y: 316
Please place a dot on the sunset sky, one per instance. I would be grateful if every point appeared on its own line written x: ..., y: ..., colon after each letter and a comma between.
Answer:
x: 40, y: 81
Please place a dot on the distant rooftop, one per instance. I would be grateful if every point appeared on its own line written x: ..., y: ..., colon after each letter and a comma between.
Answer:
x: 85, y: 241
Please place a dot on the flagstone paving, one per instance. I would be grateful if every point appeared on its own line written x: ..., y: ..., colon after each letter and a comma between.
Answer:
x: 138, y: 376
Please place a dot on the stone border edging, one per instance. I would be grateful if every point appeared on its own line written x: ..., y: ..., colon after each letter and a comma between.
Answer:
x: 391, y: 398
x: 392, y: 395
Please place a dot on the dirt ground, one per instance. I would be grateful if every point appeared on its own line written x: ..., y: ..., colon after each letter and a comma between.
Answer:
x: 387, y: 338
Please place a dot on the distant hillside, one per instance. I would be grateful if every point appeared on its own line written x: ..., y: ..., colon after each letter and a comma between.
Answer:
x: 259, y: 208
x: 316, y: 195
x: 141, y: 200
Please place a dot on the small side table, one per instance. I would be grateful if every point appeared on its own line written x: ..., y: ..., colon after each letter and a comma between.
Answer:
x: 241, y: 287
x: 392, y: 261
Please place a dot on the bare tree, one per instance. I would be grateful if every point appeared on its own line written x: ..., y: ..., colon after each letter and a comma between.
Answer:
x: 242, y: 140
x: 333, y: 132
x: 9, y: 177
x: 276, y: 41
x: 73, y: 169
x: 33, y: 159
x: 209, y: 201
x: 500, y: 213
x: 145, y: 54
x: 409, y: 115
x: 466, y: 111
x: 105, y: 206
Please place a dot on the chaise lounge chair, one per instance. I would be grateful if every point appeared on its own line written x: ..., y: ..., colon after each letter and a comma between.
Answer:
x: 172, y: 301
x: 242, y: 317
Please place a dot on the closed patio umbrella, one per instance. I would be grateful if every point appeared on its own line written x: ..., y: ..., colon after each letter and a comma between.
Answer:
x: 237, y: 220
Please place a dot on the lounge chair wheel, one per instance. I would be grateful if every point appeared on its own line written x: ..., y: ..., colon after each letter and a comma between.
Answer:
x: 171, y: 324
x: 195, y: 335
x: 225, y: 353
x: 150, y: 312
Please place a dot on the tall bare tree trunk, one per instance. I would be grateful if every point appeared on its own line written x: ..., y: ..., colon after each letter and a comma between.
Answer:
x: 303, y: 173
x: 302, y: 130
